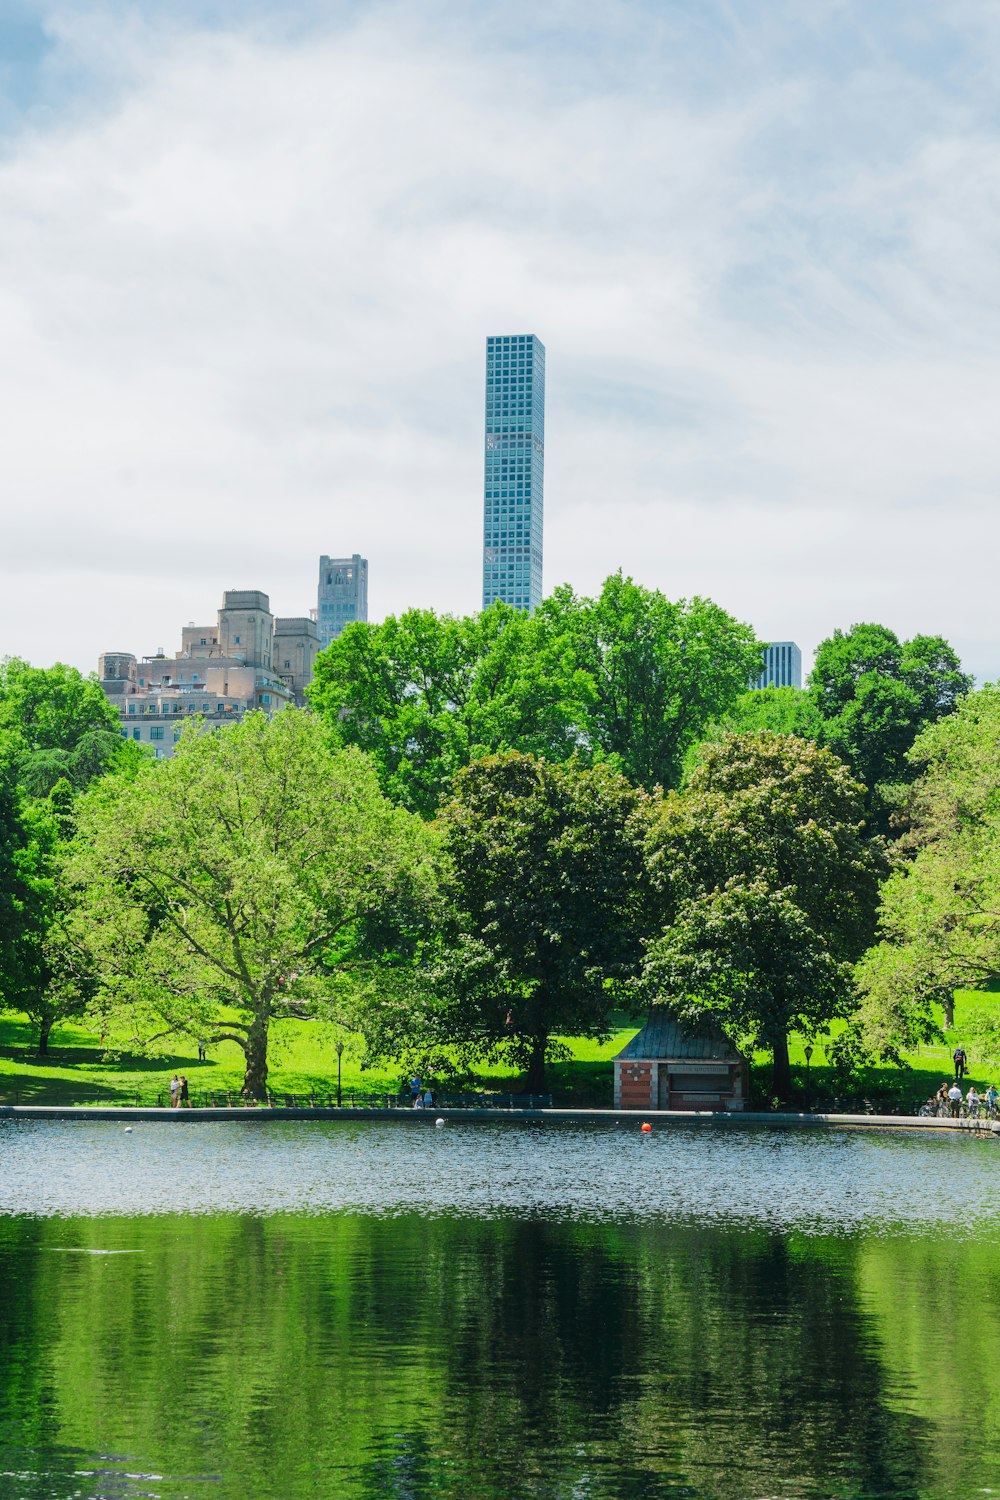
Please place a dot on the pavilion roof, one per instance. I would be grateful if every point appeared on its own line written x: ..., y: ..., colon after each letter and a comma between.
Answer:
x: 664, y: 1037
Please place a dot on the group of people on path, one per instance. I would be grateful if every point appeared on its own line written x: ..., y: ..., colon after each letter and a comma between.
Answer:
x: 420, y: 1097
x: 949, y: 1098
x: 179, y: 1095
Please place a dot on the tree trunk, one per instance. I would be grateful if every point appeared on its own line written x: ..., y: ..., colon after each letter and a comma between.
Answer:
x: 255, y: 1078
x: 948, y: 1002
x: 44, y: 1027
x: 781, y: 1078
x: 534, y: 1082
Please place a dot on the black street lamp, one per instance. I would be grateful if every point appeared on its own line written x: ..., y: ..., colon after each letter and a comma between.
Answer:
x: 340, y: 1048
x: 807, y: 1049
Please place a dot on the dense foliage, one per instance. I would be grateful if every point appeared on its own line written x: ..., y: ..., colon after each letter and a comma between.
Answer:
x: 226, y: 890
x: 57, y: 734
x: 548, y: 884
x: 629, y: 677
x: 869, y: 695
x: 771, y: 885
x: 940, y: 912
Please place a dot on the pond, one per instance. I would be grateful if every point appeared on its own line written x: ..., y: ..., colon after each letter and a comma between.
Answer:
x: 301, y: 1309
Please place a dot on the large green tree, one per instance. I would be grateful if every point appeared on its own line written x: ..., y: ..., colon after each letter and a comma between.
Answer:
x: 51, y: 708
x: 661, y: 671
x: 628, y: 676
x: 232, y: 888
x: 770, y: 885
x: 939, y: 918
x: 875, y: 693
x: 58, y: 732
x: 424, y: 694
x: 550, y: 900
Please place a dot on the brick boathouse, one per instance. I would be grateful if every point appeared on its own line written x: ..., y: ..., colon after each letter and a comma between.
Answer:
x: 667, y: 1067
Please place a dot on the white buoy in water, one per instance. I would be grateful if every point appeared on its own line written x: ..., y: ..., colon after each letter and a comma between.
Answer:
x: 438, y: 1121
x: 128, y: 1130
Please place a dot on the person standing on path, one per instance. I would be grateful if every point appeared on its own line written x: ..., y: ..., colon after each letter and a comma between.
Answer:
x: 184, y: 1100
x: 174, y: 1091
x: 961, y: 1065
x: 955, y: 1100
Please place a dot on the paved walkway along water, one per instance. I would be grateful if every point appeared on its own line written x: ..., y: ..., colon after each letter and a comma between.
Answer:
x: 658, y: 1118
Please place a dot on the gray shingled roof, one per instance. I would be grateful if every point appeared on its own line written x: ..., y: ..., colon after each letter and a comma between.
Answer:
x: 662, y: 1036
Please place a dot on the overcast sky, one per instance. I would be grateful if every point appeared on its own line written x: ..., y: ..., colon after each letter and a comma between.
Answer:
x: 250, y: 254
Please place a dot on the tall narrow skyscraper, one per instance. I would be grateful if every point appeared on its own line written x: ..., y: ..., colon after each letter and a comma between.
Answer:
x: 515, y: 469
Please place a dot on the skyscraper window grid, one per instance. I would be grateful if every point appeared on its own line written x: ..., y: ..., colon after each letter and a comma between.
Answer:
x: 514, y: 470
x: 782, y: 666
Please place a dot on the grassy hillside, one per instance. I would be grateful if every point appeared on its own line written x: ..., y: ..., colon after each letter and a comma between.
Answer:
x: 305, y: 1062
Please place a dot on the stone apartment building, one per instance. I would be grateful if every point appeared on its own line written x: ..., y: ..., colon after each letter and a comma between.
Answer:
x: 246, y: 660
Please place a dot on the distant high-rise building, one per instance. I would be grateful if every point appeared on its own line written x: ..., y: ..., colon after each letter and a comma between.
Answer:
x: 343, y: 595
x: 782, y: 666
x: 515, y: 469
x: 247, y: 660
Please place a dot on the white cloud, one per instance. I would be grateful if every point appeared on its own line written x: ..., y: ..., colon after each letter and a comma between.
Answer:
x: 244, y: 298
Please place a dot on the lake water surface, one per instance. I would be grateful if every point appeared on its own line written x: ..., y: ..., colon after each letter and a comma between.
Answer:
x: 481, y: 1312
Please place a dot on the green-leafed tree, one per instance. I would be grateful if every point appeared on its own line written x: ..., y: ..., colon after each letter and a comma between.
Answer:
x: 875, y: 693
x: 550, y: 899
x: 424, y: 694
x: 629, y: 677
x: 782, y: 710
x: 51, y: 708
x: 939, y: 918
x: 661, y: 671
x: 30, y: 834
x: 770, y: 884
x: 238, y: 886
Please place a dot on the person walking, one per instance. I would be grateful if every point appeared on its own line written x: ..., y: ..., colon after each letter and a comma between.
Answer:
x: 175, y: 1086
x: 183, y: 1099
x: 959, y: 1059
x: 955, y: 1100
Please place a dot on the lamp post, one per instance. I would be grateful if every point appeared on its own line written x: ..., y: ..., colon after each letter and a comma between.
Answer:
x: 340, y: 1048
x: 807, y: 1049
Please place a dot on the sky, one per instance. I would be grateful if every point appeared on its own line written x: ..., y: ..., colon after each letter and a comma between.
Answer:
x: 250, y: 254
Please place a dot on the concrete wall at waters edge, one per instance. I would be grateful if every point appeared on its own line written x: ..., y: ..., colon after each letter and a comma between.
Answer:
x: 659, y: 1118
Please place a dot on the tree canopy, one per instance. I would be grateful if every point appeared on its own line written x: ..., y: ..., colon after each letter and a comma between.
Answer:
x: 232, y: 887
x: 51, y: 708
x: 770, y: 885
x: 939, y: 919
x: 628, y: 676
x: 875, y: 693
x: 550, y: 900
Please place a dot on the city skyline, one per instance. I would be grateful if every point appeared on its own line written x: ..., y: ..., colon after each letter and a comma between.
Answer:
x: 760, y: 245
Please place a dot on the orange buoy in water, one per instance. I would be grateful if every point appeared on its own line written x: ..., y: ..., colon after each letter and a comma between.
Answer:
x: 646, y: 1126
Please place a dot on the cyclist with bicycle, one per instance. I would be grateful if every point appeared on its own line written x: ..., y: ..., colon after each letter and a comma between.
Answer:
x: 955, y: 1101
x: 992, y: 1098
x: 972, y: 1102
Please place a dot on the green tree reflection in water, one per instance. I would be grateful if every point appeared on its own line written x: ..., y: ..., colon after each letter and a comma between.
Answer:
x: 448, y: 1357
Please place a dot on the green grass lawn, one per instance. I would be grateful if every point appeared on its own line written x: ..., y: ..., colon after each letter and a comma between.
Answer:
x: 304, y: 1063
x: 75, y: 1072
